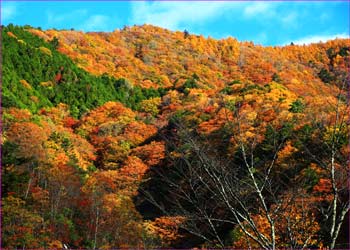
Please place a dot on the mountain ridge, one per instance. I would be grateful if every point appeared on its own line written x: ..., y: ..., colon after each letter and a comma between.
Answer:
x: 136, y: 44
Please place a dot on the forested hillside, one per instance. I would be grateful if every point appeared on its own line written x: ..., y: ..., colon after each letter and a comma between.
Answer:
x: 148, y: 138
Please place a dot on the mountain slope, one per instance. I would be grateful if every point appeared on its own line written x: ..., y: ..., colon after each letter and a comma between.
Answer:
x: 144, y: 137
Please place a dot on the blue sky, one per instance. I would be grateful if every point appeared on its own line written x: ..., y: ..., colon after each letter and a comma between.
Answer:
x: 267, y: 23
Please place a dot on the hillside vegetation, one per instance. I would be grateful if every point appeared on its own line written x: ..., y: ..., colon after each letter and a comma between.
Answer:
x: 144, y: 137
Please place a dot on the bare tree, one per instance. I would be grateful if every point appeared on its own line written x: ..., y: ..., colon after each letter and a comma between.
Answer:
x: 213, y: 192
x: 335, y: 163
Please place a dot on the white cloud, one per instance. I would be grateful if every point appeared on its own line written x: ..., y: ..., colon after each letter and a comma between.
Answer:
x: 54, y: 19
x: 290, y: 19
x: 96, y: 23
x: 271, y: 12
x: 261, y: 38
x: 259, y: 8
x: 175, y: 16
x: 80, y: 19
x: 318, y: 38
x: 8, y: 11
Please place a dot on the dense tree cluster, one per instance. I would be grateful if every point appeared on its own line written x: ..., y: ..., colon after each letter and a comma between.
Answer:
x: 36, y: 76
x: 147, y: 138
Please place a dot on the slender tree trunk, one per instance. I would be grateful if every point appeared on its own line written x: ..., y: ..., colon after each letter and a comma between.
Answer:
x: 29, y: 183
x: 28, y: 187
x: 338, y: 226
x: 96, y: 227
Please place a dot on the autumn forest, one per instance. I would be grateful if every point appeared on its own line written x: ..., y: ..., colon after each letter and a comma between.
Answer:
x: 149, y: 138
